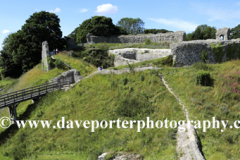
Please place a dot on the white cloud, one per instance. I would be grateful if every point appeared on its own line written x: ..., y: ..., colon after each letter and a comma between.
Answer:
x: 83, y: 10
x: 219, y: 12
x: 5, y: 31
x: 106, y: 9
x: 55, y: 10
x: 176, y: 23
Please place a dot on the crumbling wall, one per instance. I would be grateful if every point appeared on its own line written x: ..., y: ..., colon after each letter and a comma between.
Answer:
x: 134, y: 55
x: 189, y: 52
x: 140, y: 38
x: 45, y: 53
x: 225, y: 32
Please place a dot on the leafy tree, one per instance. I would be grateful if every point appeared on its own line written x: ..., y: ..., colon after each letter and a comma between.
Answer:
x: 155, y: 31
x: 235, y: 32
x: 73, y: 34
x: 25, y: 46
x: 131, y: 25
x: 98, y: 26
x: 203, y: 32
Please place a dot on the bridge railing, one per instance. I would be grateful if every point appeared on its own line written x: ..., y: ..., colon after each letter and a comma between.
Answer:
x: 29, y: 93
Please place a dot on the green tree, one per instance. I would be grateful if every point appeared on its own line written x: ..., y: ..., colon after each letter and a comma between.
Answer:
x: 98, y: 26
x: 235, y: 32
x: 25, y: 46
x: 155, y: 31
x: 131, y: 25
x: 73, y: 34
x: 203, y: 32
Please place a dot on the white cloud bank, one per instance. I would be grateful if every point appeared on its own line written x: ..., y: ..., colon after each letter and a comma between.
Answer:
x: 5, y: 31
x: 176, y: 23
x: 106, y: 9
x: 83, y: 10
x: 55, y: 10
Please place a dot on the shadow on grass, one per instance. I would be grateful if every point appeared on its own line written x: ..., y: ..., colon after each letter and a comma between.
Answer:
x: 13, y: 129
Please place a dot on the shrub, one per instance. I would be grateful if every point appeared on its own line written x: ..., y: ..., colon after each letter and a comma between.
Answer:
x: 204, y: 56
x: 203, y: 78
x: 59, y: 64
x: 124, y: 81
x: 147, y: 41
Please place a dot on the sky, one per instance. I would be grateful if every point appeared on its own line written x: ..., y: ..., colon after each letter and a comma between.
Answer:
x: 174, y: 15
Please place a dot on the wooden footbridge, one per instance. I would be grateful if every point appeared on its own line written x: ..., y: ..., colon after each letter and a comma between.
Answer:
x: 12, y: 99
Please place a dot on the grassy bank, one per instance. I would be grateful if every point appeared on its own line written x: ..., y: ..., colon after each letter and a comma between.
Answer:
x: 103, y: 97
x: 221, y: 100
x: 83, y: 67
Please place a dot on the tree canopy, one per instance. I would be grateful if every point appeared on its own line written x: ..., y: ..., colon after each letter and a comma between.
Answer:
x: 98, y: 26
x: 155, y: 31
x: 22, y: 50
x: 202, y: 32
x: 235, y: 32
x: 132, y: 25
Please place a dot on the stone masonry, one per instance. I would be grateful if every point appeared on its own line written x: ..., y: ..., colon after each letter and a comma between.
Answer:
x: 45, y: 53
x: 139, y: 38
x: 225, y: 32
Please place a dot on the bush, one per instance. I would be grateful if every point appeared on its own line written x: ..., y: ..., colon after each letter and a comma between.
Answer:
x: 147, y: 41
x: 59, y: 64
x: 204, y: 56
x: 203, y: 78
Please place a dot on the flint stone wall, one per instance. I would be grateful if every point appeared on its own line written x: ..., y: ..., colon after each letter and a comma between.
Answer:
x: 139, y: 38
x: 225, y: 32
x: 45, y: 53
x: 72, y: 75
x: 190, y: 52
x: 133, y: 55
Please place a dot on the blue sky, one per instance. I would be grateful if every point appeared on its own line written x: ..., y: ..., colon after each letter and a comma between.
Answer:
x: 184, y: 15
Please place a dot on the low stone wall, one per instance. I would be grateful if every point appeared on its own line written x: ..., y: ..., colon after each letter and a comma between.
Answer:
x: 189, y: 52
x: 134, y: 55
x: 140, y: 38
x: 72, y: 75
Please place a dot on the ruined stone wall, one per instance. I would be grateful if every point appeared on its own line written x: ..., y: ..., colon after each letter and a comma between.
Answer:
x: 140, y: 38
x: 189, y: 52
x: 45, y: 53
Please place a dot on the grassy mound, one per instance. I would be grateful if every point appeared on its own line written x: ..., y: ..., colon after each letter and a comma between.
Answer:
x: 102, y: 97
x: 221, y: 100
x: 83, y: 67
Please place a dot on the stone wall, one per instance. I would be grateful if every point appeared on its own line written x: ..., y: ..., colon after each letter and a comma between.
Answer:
x: 189, y: 52
x: 72, y: 76
x: 45, y: 53
x: 140, y: 38
x: 134, y: 55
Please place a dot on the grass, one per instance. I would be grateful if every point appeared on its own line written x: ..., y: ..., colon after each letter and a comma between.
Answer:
x: 99, y: 98
x: 152, y: 45
x: 83, y: 67
x: 222, y: 101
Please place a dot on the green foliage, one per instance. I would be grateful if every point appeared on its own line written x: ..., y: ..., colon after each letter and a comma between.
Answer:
x: 147, y: 41
x: 203, y: 78
x: 132, y: 25
x: 167, y: 61
x: 204, y: 56
x: 59, y: 64
x: 98, y: 26
x: 217, y: 52
x: 73, y: 34
x: 235, y: 32
x: 50, y: 62
x: 155, y: 31
x: 23, y: 48
x: 124, y: 80
x: 201, y: 66
x: 202, y: 32
x: 231, y: 51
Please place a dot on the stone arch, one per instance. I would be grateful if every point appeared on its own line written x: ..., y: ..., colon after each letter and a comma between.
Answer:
x: 225, y: 32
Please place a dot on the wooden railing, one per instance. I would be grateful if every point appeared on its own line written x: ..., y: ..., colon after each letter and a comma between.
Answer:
x: 29, y: 93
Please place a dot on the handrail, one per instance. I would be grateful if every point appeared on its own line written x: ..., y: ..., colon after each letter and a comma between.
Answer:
x: 28, y: 93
